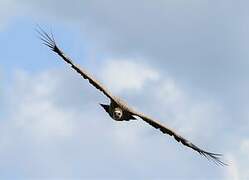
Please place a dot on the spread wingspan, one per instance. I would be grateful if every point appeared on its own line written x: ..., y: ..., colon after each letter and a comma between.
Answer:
x: 50, y: 42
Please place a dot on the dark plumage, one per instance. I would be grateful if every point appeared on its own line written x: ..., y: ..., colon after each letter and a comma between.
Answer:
x: 117, y: 109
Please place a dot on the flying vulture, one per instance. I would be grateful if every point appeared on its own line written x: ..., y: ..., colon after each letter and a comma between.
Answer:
x: 117, y: 109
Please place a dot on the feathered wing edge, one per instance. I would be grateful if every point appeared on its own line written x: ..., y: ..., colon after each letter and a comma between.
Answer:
x: 49, y: 41
x: 209, y: 155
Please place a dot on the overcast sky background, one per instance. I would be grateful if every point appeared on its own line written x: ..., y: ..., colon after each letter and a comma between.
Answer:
x: 183, y: 62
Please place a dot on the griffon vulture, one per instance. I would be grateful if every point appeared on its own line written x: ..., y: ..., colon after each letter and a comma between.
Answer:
x: 117, y: 109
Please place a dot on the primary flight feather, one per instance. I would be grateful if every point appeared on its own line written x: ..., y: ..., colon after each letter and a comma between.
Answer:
x: 117, y: 109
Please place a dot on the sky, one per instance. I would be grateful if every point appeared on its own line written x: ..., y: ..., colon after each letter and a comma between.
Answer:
x: 185, y: 63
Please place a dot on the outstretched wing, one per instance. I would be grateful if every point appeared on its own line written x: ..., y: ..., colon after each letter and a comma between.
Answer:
x: 166, y: 130
x: 49, y: 41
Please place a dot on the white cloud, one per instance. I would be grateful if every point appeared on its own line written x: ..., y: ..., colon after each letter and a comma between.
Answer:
x: 190, y: 115
x: 233, y: 169
x: 35, y: 111
x: 126, y: 74
x: 238, y: 160
x: 244, y: 159
x: 245, y: 146
x: 63, y: 140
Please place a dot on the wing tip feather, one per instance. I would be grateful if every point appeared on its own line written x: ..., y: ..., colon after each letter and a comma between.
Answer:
x: 47, y: 39
x: 213, y: 157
